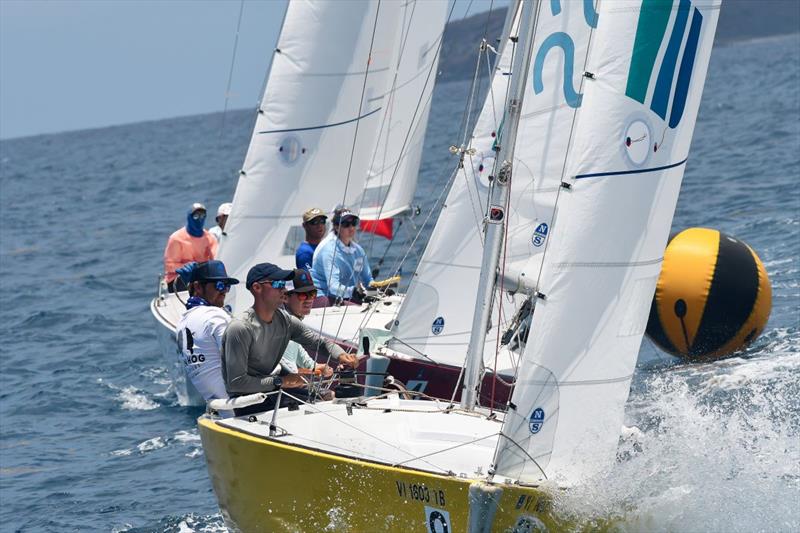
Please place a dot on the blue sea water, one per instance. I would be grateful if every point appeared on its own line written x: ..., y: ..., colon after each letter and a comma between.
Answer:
x: 91, y: 434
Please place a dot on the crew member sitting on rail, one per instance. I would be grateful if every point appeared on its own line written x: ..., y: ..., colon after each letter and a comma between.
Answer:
x: 255, y: 342
x: 200, y: 330
x: 340, y: 269
x: 295, y: 359
x: 189, y: 243
x: 314, y: 224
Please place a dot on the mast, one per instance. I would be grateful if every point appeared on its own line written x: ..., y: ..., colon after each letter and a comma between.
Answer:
x: 495, y: 219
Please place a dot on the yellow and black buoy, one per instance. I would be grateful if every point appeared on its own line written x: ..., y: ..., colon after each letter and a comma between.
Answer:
x: 713, y: 296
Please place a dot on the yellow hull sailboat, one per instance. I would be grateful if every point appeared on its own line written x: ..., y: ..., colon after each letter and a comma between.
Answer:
x: 578, y: 158
x: 365, y: 481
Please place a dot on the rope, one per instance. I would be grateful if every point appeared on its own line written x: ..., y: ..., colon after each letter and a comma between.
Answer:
x: 230, y: 72
x: 350, y: 167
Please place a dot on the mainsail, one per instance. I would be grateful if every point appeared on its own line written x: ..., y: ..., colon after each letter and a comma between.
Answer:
x: 336, y: 70
x: 643, y: 82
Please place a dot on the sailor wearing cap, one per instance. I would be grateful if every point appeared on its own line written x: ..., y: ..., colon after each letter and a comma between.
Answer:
x: 314, y: 224
x: 255, y: 342
x: 189, y: 243
x: 222, y: 217
x: 201, y: 328
x: 298, y: 303
x: 341, y: 268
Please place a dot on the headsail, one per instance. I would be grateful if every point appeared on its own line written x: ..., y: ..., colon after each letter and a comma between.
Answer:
x: 452, y: 260
x: 392, y: 175
x: 644, y: 79
x: 314, y: 135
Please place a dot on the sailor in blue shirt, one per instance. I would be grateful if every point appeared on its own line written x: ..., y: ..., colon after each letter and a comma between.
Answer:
x: 314, y: 223
x: 340, y: 268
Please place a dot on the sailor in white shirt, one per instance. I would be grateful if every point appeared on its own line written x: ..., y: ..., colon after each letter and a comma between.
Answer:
x: 199, y: 332
x: 222, y: 217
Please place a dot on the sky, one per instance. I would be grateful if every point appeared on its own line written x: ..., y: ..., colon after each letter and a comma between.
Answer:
x: 78, y: 64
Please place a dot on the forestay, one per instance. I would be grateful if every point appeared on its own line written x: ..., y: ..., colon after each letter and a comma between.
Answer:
x: 314, y: 135
x: 645, y: 76
x: 394, y: 165
x: 451, y: 264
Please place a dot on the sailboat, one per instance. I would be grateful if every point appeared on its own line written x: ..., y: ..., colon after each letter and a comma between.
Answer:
x: 387, y: 463
x: 341, y: 120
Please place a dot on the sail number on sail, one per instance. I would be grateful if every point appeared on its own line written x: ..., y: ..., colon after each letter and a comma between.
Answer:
x: 420, y: 492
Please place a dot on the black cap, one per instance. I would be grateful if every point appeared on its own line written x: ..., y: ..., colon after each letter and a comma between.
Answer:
x: 302, y: 281
x: 267, y: 271
x: 212, y: 271
x: 345, y: 213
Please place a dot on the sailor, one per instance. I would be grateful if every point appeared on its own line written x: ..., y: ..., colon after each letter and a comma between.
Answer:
x: 341, y: 268
x: 222, y: 217
x: 187, y: 244
x: 296, y: 359
x: 255, y: 342
x: 200, y: 330
x: 314, y: 224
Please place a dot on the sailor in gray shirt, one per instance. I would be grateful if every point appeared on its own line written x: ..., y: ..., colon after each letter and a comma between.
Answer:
x: 254, y: 343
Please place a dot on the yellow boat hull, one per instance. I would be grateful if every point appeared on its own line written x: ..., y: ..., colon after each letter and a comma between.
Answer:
x: 263, y: 484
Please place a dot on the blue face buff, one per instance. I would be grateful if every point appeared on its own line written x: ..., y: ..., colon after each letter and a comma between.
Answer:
x: 195, y: 301
x: 195, y: 222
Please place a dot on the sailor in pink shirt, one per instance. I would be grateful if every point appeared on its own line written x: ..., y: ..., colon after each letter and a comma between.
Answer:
x: 190, y: 243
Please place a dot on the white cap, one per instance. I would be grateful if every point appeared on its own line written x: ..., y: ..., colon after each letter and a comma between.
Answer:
x: 224, y: 209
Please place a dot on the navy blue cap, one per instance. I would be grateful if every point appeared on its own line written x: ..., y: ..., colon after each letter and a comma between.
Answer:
x: 212, y: 271
x: 267, y: 271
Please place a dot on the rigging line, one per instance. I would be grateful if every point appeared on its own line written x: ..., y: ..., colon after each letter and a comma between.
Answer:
x: 564, y: 166
x: 470, y: 103
x: 419, y: 101
x: 349, y: 169
x: 437, y: 452
x: 523, y: 450
x: 401, y: 341
x: 230, y: 72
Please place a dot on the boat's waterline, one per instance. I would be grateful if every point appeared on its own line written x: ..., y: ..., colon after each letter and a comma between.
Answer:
x: 389, y: 471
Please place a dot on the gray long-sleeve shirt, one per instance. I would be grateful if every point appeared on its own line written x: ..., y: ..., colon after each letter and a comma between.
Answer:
x: 253, y: 348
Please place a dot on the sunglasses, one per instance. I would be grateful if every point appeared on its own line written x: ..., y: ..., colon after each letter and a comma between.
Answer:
x: 197, y: 215
x: 277, y: 284
x: 303, y: 296
x: 317, y: 221
x: 349, y: 224
x: 221, y: 286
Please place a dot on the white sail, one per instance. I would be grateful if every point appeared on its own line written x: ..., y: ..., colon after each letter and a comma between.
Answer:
x: 314, y: 135
x: 394, y: 166
x: 647, y: 65
x: 452, y: 260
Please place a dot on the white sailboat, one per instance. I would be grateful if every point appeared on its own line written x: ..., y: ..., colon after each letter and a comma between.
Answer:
x: 399, y: 465
x: 341, y: 121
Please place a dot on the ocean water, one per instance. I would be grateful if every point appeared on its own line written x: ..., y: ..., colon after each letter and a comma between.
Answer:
x: 91, y: 434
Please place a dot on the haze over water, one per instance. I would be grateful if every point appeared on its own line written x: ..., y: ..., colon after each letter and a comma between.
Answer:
x: 92, y: 438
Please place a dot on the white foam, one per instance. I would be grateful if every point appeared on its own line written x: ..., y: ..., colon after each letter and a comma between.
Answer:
x: 155, y: 443
x: 718, y: 449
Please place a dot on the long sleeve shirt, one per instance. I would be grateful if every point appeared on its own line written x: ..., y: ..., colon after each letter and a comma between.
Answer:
x: 182, y: 248
x: 296, y: 357
x: 337, y: 268
x: 253, y: 348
